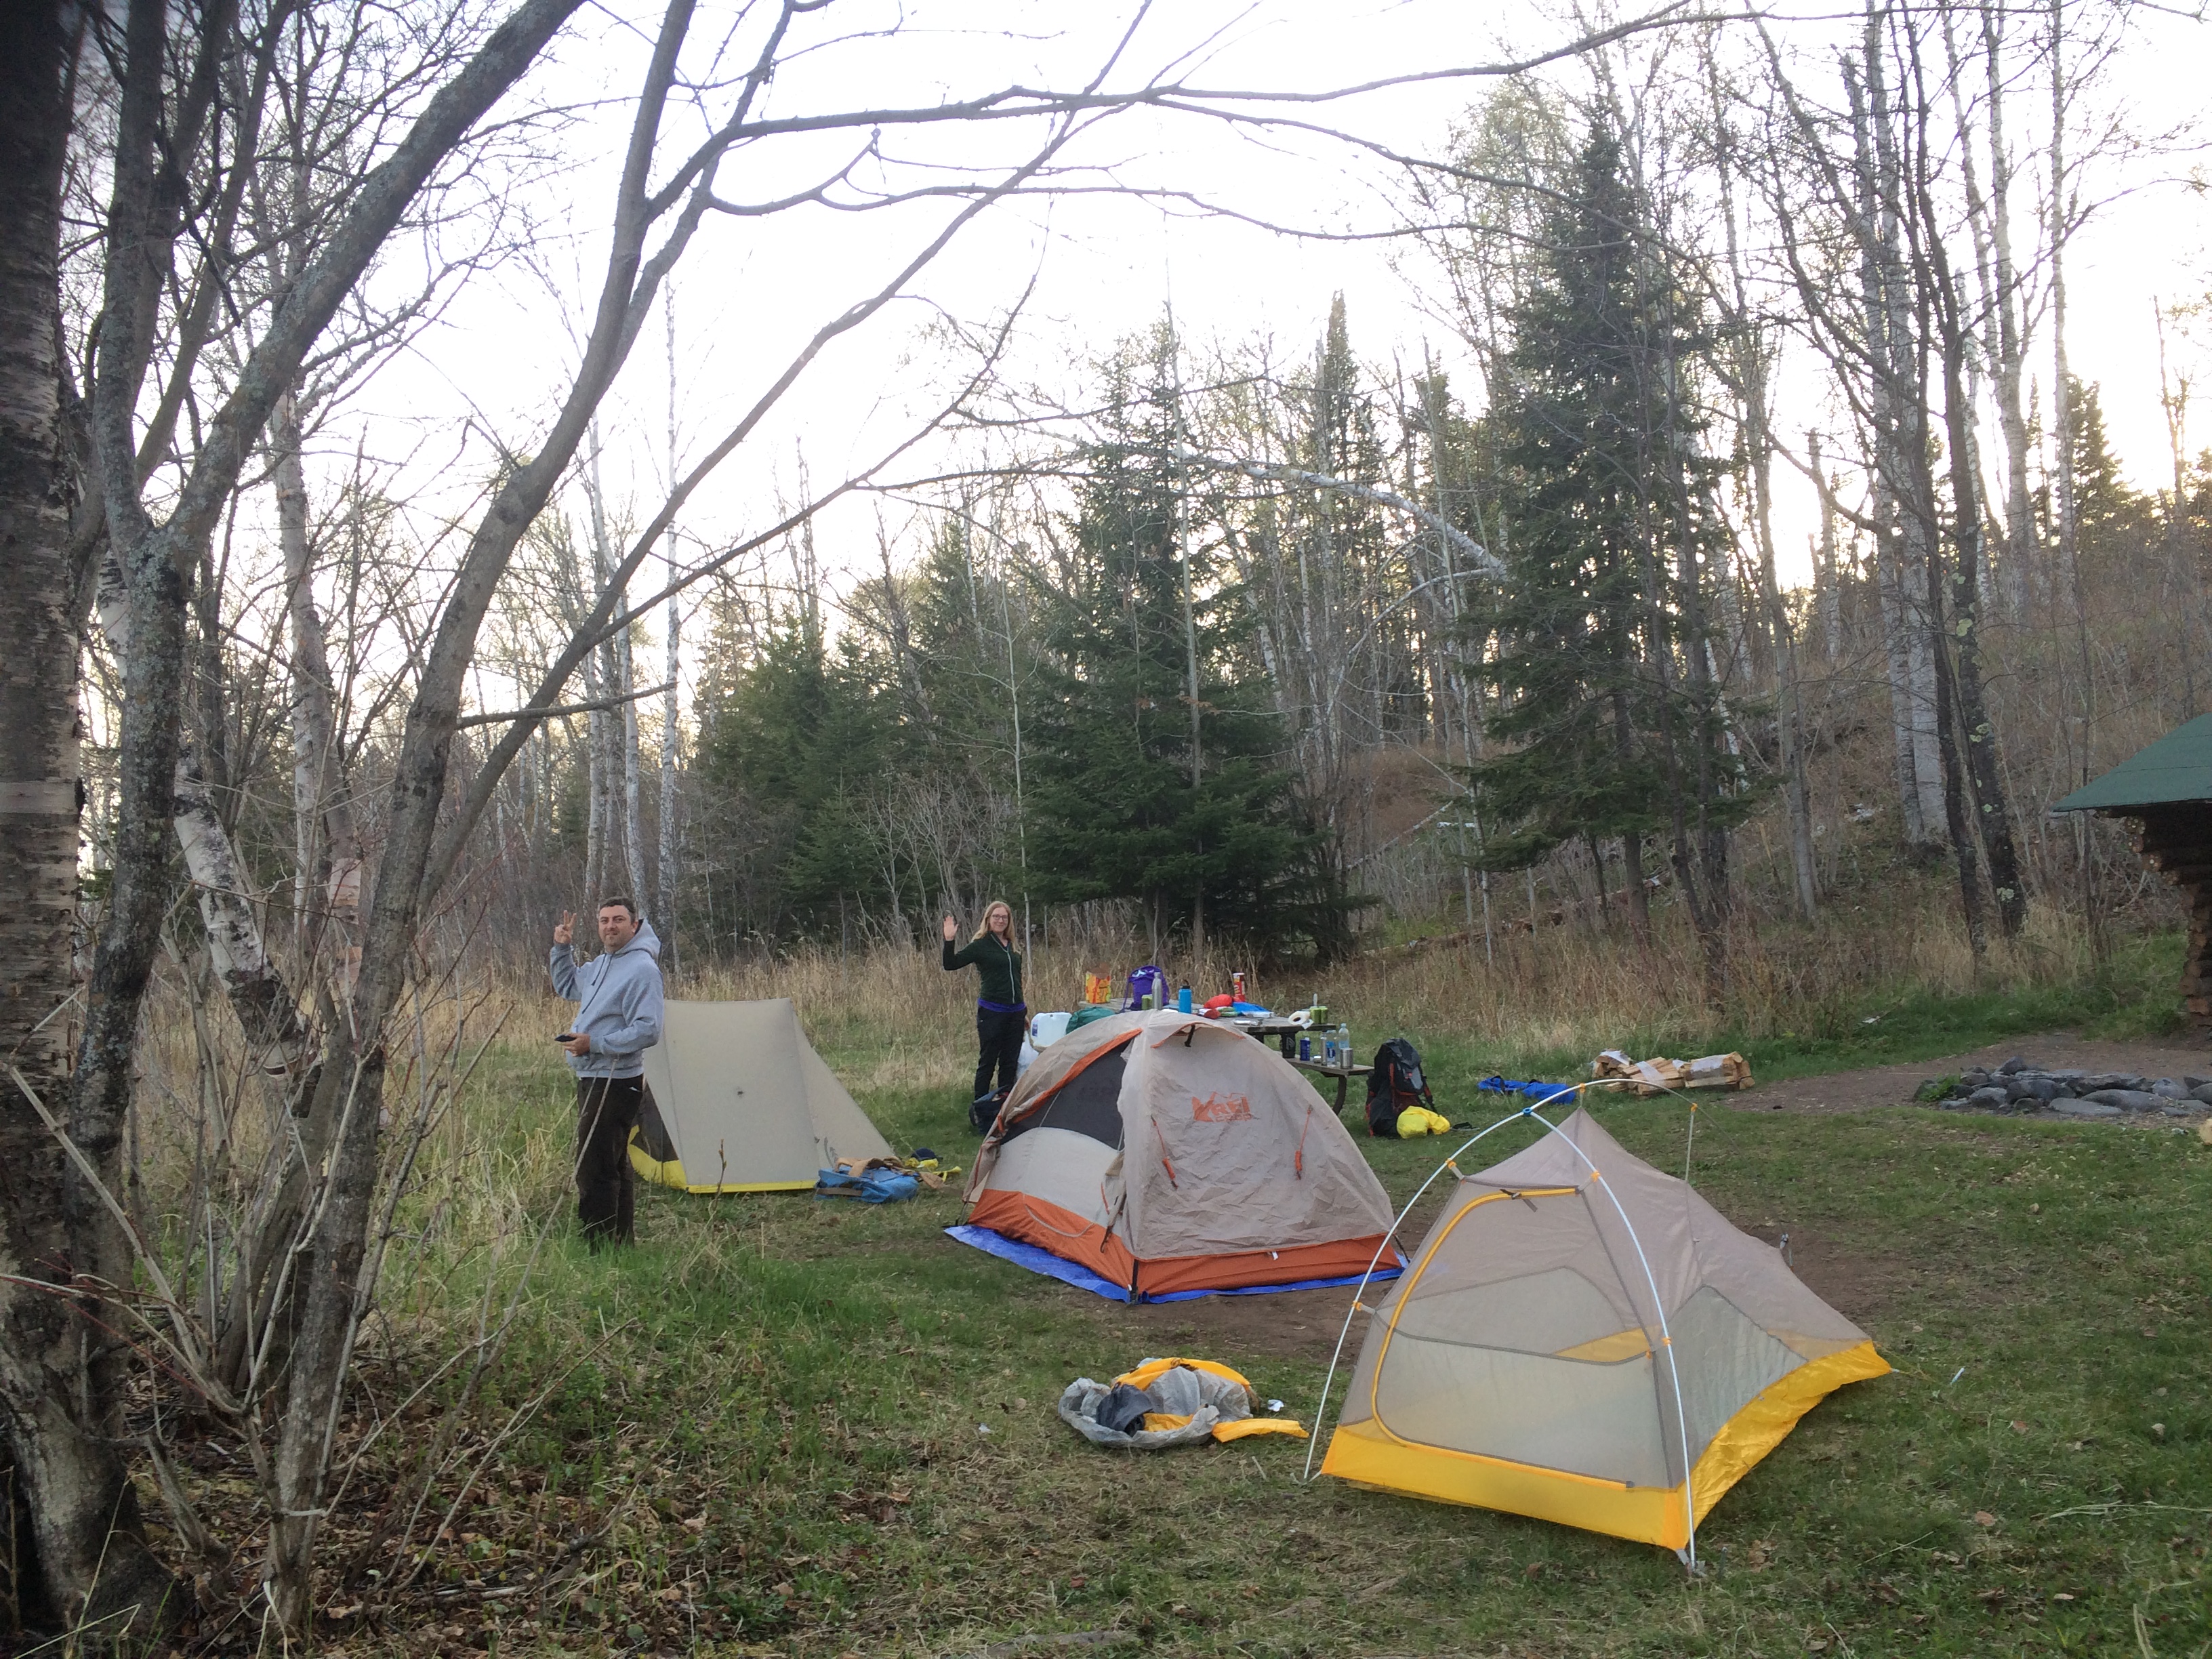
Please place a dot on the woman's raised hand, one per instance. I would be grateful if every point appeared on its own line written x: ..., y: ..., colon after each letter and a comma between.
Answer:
x: 951, y: 933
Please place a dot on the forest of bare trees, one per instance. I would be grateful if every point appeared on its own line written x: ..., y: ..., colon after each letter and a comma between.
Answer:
x: 1297, y: 646
x: 1966, y: 647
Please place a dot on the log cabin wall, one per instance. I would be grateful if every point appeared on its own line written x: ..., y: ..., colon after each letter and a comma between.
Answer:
x: 2178, y: 841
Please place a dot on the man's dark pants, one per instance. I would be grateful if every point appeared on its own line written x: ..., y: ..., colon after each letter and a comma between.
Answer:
x: 607, y: 1190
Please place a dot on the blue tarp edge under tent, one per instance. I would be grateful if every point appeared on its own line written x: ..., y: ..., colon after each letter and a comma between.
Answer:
x: 1038, y: 1259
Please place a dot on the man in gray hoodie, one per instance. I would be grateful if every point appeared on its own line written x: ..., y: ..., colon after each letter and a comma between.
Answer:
x: 618, y: 1019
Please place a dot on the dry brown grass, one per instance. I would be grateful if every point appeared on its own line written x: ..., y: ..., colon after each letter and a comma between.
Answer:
x: 892, y: 1019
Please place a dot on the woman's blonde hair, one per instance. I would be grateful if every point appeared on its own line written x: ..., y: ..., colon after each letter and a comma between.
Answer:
x: 983, y: 926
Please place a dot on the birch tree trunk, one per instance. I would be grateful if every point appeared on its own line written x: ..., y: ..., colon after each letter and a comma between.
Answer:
x: 2016, y: 571
x: 1752, y: 354
x: 322, y: 802
x: 1890, y: 583
x: 2067, y: 525
x: 1889, y: 579
x: 87, y: 1558
x: 664, y: 901
x: 2192, y: 636
x: 1967, y: 520
x: 1190, y: 645
x: 1903, y: 464
x: 268, y: 1012
x: 595, y: 743
x: 1789, y: 701
x: 595, y: 780
x: 155, y: 564
x: 1828, y: 592
x: 617, y: 726
x: 633, y: 830
x: 1954, y: 790
x: 331, y: 877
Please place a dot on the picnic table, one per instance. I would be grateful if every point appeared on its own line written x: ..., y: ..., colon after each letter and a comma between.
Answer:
x: 1285, y: 1034
x: 1343, y: 1074
x: 1272, y: 1029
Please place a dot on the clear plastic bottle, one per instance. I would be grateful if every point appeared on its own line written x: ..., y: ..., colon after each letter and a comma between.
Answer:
x: 1344, y: 1047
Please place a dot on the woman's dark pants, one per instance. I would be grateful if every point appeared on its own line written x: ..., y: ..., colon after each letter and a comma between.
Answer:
x: 607, y: 1190
x: 998, y: 1047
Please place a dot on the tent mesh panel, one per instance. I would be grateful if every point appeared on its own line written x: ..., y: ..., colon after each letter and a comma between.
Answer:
x: 1090, y: 1103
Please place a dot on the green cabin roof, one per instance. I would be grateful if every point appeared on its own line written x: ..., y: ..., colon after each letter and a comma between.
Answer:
x: 2177, y: 767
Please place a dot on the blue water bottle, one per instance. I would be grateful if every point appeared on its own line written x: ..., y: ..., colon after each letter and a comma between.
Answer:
x: 1182, y: 1001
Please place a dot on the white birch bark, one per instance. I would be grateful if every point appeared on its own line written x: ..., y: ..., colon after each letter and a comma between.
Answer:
x: 322, y: 802
x: 664, y: 900
x: 1888, y: 583
x: 1914, y: 538
x: 633, y: 833
x: 1998, y: 357
x: 2016, y: 578
x: 2062, y: 389
x: 617, y: 726
x: 595, y: 751
x: 1828, y: 592
x: 267, y: 1011
x: 1790, y: 707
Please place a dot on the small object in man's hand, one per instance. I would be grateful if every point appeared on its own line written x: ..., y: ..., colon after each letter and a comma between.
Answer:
x: 566, y: 1037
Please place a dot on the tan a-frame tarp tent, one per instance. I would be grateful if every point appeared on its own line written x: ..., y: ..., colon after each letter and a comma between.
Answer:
x: 1584, y: 1339
x: 737, y: 1101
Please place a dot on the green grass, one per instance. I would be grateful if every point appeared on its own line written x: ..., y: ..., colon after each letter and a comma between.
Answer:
x: 767, y: 1436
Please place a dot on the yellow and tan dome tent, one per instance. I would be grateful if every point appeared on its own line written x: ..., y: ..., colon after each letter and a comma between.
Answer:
x: 1164, y: 1155
x: 1584, y: 1339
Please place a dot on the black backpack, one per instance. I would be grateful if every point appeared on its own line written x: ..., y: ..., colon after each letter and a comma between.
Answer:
x: 983, y: 1110
x: 1394, y: 1083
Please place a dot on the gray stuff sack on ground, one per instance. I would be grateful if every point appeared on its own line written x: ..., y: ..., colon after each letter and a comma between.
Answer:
x: 1202, y: 1397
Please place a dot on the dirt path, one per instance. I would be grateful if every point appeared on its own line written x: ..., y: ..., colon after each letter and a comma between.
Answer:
x: 1892, y: 1086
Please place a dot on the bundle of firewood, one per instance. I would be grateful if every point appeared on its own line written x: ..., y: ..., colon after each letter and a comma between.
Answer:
x: 1615, y: 1070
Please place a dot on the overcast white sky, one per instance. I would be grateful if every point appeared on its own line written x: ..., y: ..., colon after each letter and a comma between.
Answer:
x: 754, y: 289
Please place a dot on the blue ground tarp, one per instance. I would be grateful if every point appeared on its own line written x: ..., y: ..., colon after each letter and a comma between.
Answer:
x: 1040, y: 1260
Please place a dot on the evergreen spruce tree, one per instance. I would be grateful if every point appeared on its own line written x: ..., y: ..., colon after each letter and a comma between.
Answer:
x: 1117, y: 812
x: 966, y: 667
x: 1605, y: 517
x: 798, y: 740
x: 2113, y: 523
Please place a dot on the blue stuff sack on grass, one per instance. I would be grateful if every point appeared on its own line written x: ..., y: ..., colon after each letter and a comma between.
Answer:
x: 869, y: 1186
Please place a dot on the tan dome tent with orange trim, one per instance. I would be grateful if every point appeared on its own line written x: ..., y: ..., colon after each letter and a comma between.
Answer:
x: 1164, y: 1155
x: 1584, y: 1339
x: 737, y: 1101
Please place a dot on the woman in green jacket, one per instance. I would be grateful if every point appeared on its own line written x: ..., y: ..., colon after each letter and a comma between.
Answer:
x: 1001, y: 1014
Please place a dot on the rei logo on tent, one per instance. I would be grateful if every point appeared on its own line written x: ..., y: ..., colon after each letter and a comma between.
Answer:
x: 1221, y: 1109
